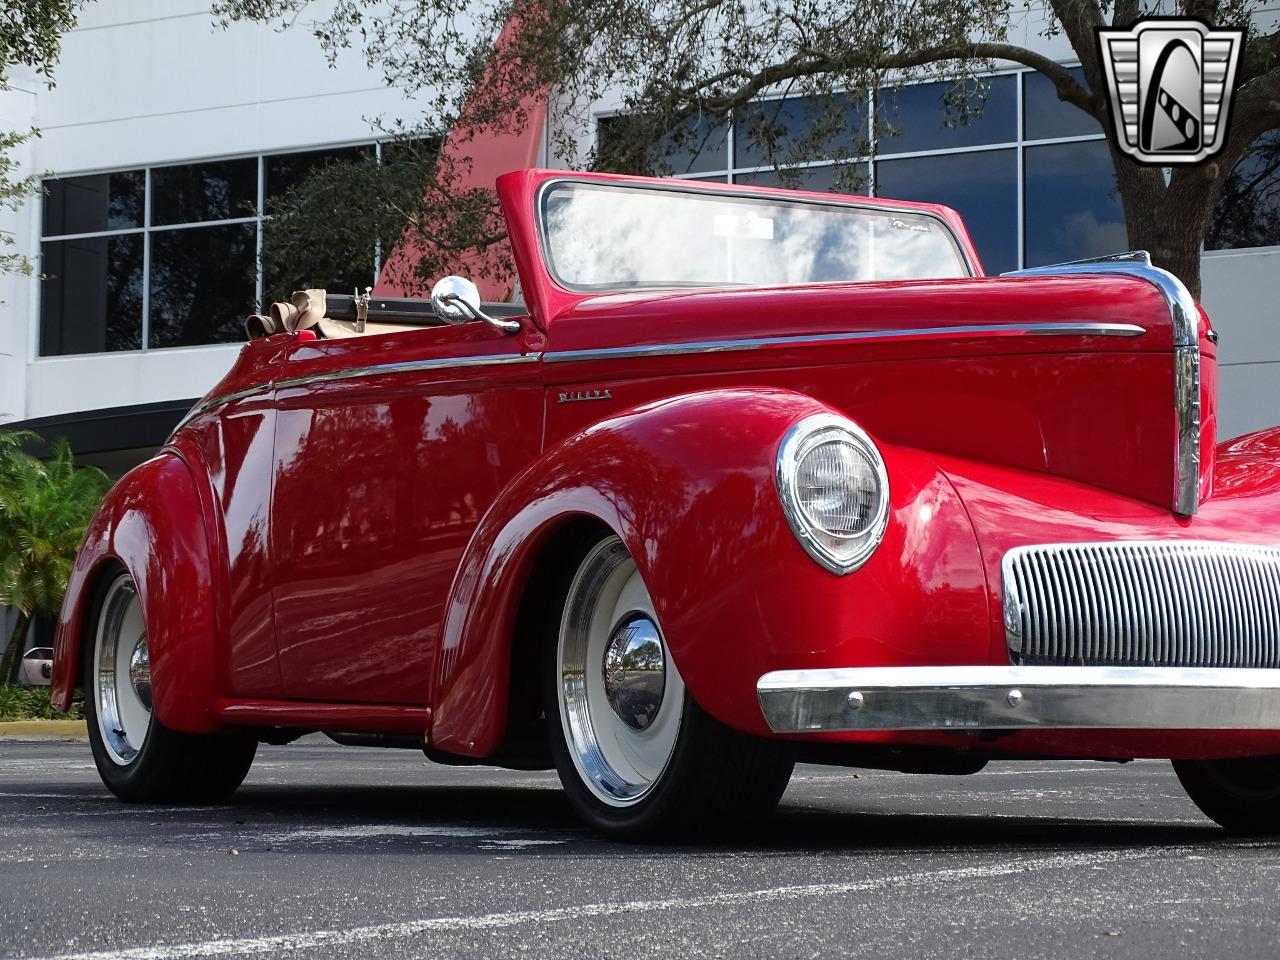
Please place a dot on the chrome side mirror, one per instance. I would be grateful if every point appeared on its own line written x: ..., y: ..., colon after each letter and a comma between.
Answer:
x: 451, y: 296
x: 456, y: 300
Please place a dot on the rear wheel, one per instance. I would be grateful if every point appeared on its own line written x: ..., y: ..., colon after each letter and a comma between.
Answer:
x: 139, y: 759
x: 1242, y: 795
x: 637, y: 756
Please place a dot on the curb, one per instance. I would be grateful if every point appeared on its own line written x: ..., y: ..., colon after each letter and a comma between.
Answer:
x: 42, y: 730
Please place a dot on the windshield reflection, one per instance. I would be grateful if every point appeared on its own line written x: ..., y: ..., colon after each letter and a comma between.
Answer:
x: 611, y: 237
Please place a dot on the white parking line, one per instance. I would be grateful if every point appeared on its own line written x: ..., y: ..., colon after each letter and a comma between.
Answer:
x: 337, y: 939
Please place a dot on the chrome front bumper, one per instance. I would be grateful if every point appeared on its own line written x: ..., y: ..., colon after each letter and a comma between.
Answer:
x: 1019, y: 698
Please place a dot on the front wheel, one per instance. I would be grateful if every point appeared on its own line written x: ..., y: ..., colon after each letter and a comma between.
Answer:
x: 140, y: 759
x: 1242, y: 795
x: 637, y: 756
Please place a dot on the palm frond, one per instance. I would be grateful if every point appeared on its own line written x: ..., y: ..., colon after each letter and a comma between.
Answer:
x: 45, y: 507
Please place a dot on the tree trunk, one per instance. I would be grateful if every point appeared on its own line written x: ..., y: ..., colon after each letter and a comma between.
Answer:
x: 1171, y: 241
x: 1168, y: 219
x: 13, y: 653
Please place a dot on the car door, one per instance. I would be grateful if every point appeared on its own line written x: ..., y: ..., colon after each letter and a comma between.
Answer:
x: 388, y: 450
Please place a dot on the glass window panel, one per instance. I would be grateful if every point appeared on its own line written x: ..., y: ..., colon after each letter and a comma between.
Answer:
x: 609, y: 130
x: 204, y: 191
x: 983, y: 187
x: 91, y: 297
x: 286, y: 170
x: 925, y: 123
x: 104, y: 201
x: 1248, y: 213
x: 202, y: 284
x: 800, y: 129
x: 603, y: 237
x: 1072, y: 206
x: 413, y: 149
x: 699, y: 145
x: 346, y: 277
x: 817, y: 179
x: 1045, y: 116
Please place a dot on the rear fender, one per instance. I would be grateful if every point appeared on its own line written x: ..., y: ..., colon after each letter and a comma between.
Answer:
x: 152, y: 525
x: 688, y: 484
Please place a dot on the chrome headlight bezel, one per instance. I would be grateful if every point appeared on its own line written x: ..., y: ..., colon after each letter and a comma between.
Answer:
x: 838, y: 553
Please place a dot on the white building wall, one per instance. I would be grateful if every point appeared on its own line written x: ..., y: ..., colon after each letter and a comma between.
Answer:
x: 1241, y: 293
x: 17, y: 112
x: 157, y: 81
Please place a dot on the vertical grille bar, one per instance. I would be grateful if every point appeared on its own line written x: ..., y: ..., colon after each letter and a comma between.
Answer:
x: 1143, y: 603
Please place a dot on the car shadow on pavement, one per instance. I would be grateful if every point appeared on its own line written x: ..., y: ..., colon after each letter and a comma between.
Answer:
x: 407, y: 813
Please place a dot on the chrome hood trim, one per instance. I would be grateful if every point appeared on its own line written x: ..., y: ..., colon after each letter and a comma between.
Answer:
x: 1185, y: 318
x: 1077, y: 328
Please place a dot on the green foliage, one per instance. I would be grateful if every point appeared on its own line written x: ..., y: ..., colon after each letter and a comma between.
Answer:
x: 682, y: 62
x: 685, y: 65
x: 31, y: 34
x: 326, y: 231
x: 45, y: 506
x: 32, y: 703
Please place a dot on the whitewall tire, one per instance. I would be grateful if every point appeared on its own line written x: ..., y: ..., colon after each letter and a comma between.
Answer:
x: 139, y: 759
x: 638, y: 758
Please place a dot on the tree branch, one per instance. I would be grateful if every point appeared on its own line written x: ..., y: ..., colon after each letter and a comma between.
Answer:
x: 1259, y: 56
x: 1069, y: 89
x: 806, y: 63
x: 1126, y: 12
x: 1079, y: 19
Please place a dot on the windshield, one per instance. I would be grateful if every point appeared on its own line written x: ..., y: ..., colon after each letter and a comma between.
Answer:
x: 612, y: 237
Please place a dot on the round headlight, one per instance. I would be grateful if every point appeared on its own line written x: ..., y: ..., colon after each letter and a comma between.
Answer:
x: 834, y: 490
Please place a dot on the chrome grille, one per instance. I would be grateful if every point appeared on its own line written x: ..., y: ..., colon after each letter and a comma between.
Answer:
x: 1143, y: 603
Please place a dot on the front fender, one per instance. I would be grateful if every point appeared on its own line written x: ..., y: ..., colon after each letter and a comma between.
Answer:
x: 151, y: 524
x: 688, y: 484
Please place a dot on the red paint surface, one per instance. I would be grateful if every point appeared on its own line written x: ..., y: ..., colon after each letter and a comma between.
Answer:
x: 352, y: 553
x: 359, y: 718
x: 379, y: 483
x: 150, y: 524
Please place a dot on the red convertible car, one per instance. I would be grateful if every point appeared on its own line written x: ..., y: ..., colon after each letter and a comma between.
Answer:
x: 749, y: 477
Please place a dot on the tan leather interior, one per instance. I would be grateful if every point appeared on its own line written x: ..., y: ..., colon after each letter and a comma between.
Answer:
x: 306, y: 311
x: 335, y: 329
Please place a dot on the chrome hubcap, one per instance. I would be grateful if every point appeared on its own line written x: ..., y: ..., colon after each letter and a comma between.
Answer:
x: 621, y: 696
x: 122, y: 670
x: 140, y: 672
x: 635, y: 671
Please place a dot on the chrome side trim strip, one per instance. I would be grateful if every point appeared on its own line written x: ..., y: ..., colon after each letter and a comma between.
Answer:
x: 409, y: 366
x: 1080, y: 329
x: 973, y: 698
x: 349, y: 373
x: 1186, y: 406
x: 1185, y: 317
x: 206, y: 405
x: 1135, y: 263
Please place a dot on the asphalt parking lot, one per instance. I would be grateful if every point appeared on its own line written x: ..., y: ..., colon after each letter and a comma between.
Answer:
x: 347, y: 852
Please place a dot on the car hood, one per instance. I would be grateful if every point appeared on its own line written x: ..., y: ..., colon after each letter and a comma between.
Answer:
x: 1067, y: 375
